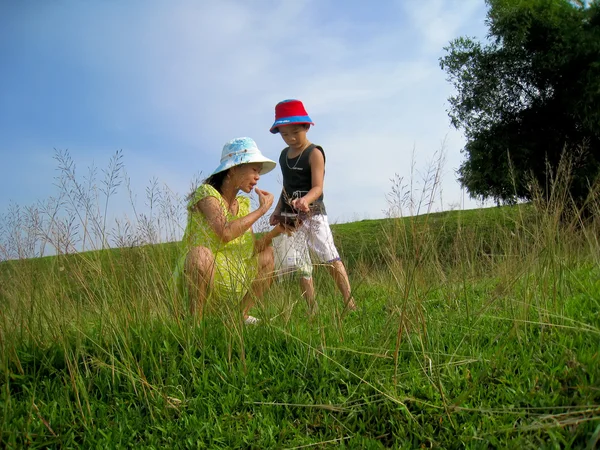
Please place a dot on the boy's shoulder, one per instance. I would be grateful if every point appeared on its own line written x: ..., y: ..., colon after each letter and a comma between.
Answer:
x: 309, y: 148
x: 319, y: 147
x: 306, y: 153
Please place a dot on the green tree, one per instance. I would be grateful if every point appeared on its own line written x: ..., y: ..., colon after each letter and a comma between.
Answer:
x: 530, y: 92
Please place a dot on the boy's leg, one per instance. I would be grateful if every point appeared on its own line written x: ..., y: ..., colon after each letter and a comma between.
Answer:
x: 264, y: 277
x: 199, y: 275
x: 340, y: 276
x: 304, y: 267
x: 322, y: 244
x: 308, y: 292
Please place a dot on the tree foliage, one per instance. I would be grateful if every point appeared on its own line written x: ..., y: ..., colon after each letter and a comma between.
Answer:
x: 527, y: 96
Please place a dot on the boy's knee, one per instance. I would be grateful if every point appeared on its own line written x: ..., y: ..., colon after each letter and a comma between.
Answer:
x: 336, y: 265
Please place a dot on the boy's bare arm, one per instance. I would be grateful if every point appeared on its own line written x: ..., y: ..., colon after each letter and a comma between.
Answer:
x: 317, y: 168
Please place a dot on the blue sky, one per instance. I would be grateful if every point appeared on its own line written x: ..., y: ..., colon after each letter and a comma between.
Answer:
x: 170, y: 82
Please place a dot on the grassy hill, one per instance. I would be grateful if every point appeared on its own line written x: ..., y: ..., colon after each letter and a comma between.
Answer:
x: 476, y: 329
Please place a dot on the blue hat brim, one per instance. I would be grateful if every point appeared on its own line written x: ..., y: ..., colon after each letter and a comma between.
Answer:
x: 293, y: 120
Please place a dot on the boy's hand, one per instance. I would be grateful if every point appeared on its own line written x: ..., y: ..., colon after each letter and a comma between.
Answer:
x: 301, y: 204
x: 265, y: 199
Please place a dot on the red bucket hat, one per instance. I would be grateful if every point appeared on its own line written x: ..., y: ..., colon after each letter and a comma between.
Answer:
x: 290, y: 112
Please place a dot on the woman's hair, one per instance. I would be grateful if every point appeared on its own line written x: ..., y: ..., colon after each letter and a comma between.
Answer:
x: 215, y: 180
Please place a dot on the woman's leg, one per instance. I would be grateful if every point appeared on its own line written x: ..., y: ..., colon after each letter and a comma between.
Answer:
x: 266, y: 266
x: 199, y: 275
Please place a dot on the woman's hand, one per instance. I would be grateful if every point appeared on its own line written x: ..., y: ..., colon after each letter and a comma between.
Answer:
x: 265, y: 200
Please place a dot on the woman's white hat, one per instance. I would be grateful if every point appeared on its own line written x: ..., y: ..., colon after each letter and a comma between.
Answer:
x: 243, y: 151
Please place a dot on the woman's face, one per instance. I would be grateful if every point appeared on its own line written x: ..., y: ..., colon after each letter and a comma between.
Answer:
x: 246, y: 176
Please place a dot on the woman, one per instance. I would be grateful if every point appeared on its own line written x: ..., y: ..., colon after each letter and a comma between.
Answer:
x: 220, y: 254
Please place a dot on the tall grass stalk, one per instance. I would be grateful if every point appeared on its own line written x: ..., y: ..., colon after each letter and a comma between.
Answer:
x: 476, y: 329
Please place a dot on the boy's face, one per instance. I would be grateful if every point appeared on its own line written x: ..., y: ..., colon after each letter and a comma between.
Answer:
x: 294, y: 136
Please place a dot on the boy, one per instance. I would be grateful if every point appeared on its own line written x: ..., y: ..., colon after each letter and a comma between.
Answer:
x: 303, y: 168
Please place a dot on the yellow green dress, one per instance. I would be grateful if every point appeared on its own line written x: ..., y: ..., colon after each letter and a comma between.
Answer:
x: 236, y: 265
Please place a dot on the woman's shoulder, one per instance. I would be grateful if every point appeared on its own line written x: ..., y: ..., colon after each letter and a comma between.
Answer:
x: 203, y: 191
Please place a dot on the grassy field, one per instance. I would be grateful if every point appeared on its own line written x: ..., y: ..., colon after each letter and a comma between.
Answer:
x: 476, y: 329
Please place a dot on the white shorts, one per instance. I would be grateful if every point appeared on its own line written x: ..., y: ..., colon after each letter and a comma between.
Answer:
x: 315, y: 235
x: 293, y: 253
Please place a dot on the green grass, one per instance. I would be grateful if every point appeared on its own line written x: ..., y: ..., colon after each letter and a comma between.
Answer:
x: 477, y: 329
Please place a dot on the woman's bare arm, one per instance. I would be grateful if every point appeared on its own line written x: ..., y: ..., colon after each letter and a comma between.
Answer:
x: 211, y: 208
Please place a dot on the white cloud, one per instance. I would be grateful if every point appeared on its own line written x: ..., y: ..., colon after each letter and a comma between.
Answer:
x: 439, y: 21
x: 200, y: 73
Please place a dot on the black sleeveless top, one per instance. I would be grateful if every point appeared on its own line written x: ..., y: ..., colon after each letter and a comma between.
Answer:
x: 297, y: 179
